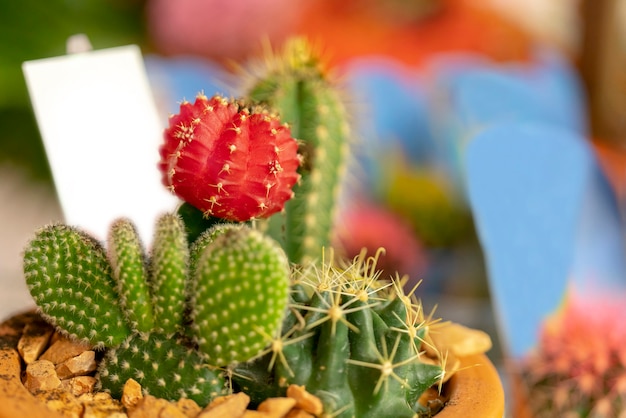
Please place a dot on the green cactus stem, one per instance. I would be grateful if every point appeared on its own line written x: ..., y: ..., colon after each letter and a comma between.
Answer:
x: 240, y: 295
x: 128, y: 262
x: 356, y: 343
x: 295, y: 85
x: 169, y: 272
x: 164, y: 365
x: 70, y: 279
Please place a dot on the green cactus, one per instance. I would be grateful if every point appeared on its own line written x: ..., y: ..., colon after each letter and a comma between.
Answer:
x: 135, y: 305
x: 295, y: 85
x: 169, y: 272
x: 70, y: 279
x: 354, y: 341
x: 128, y: 262
x: 241, y: 294
x: 165, y: 366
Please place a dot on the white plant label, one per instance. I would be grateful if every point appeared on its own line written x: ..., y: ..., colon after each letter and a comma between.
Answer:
x: 101, y: 132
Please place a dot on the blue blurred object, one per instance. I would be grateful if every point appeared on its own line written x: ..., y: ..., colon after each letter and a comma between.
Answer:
x: 546, y: 220
x: 470, y: 94
x: 390, y: 115
x: 182, y: 78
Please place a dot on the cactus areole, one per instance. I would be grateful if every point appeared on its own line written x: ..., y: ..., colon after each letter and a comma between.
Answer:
x: 228, y: 160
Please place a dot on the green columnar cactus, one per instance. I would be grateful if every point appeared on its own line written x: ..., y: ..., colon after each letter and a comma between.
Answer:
x: 352, y: 341
x: 128, y: 263
x: 70, y: 279
x: 295, y: 85
x: 240, y: 285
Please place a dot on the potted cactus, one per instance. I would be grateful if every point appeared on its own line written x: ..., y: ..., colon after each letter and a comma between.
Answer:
x: 239, y: 292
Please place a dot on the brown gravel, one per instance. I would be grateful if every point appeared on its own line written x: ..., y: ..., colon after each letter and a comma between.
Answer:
x: 60, y: 375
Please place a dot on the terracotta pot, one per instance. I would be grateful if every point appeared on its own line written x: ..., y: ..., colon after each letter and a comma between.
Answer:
x: 475, y: 391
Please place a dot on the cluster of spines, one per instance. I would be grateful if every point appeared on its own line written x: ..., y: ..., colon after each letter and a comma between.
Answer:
x: 296, y: 86
x: 353, y: 341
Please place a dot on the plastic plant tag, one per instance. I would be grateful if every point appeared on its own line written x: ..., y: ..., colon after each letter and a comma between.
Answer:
x: 101, y: 132
x: 546, y: 219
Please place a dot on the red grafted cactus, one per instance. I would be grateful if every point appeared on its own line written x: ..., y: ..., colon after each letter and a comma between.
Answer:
x: 229, y: 160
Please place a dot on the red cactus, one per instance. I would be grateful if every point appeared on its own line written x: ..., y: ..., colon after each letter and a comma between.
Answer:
x: 580, y: 364
x: 228, y: 160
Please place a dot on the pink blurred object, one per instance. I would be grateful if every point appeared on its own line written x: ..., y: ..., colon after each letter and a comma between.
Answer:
x: 364, y: 225
x: 217, y: 29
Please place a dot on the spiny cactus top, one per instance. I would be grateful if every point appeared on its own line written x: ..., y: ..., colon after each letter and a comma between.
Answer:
x: 229, y: 160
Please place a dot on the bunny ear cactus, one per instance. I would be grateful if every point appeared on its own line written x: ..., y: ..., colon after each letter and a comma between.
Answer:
x: 295, y: 84
x: 353, y: 341
x: 239, y: 281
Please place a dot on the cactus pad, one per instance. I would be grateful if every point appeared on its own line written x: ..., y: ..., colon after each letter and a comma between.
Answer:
x: 242, y: 287
x: 70, y: 279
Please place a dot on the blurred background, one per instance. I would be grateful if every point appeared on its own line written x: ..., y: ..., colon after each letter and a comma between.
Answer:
x: 405, y: 64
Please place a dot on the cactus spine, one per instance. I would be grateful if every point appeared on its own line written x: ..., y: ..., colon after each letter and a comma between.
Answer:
x: 295, y: 85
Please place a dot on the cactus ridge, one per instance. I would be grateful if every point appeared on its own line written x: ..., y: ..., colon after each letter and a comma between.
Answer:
x: 164, y: 365
x: 128, y: 263
x: 356, y: 343
x: 70, y: 279
x: 242, y: 279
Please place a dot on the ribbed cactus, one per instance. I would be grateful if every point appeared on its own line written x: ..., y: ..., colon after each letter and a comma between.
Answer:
x: 353, y: 341
x: 240, y: 284
x: 295, y: 85
x: 128, y: 263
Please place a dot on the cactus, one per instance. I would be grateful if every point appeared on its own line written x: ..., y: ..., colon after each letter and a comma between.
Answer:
x: 295, y: 85
x: 169, y: 272
x: 579, y: 368
x: 240, y: 296
x: 352, y: 340
x: 70, y: 279
x: 235, y: 273
x: 228, y: 160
